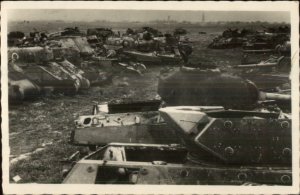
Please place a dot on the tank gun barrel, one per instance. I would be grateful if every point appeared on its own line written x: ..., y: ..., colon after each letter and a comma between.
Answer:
x: 274, y: 96
x: 271, y: 62
x: 258, y: 50
x: 256, y: 65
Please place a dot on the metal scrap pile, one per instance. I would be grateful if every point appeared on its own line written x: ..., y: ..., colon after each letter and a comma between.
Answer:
x: 206, y: 126
x: 145, y: 45
x: 62, y: 61
x: 55, y: 62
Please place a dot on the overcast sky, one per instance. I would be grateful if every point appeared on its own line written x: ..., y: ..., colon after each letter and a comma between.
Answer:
x: 146, y: 15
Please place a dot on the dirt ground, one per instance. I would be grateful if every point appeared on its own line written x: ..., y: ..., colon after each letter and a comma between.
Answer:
x: 39, y: 130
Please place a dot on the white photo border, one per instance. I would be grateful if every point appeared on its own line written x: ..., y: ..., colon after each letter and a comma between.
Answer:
x: 290, y: 6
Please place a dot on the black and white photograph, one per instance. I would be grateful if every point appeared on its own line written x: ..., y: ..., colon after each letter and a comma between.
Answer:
x: 150, y: 97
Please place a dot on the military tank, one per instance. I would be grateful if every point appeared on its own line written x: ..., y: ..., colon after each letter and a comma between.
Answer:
x: 233, y: 139
x: 125, y: 122
x: 140, y: 121
x: 219, y: 147
x: 191, y: 86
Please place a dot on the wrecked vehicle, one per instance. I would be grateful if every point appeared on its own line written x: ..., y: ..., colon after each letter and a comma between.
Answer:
x: 153, y: 57
x: 280, y: 63
x: 210, y: 87
x: 148, y: 45
x: 100, y: 33
x: 264, y: 42
x: 39, y: 67
x: 72, y: 32
x: 154, y: 32
x: 20, y: 87
x: 284, y: 49
x: 268, y: 75
x: 126, y: 122
x: 194, y: 86
x: 230, y: 38
x: 226, y: 43
x: 134, y: 67
x: 15, y: 38
x: 180, y: 31
x: 94, y: 41
x: 258, y: 56
x: 57, y: 63
x: 283, y: 29
x: 215, y: 152
x: 77, y: 43
x: 159, y: 51
x: 132, y: 122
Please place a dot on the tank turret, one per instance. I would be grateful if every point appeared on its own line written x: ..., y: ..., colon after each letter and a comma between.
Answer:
x: 212, y: 87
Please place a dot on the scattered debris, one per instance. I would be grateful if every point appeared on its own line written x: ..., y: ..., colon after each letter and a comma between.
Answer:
x: 17, y: 178
x: 25, y: 156
x: 47, y: 144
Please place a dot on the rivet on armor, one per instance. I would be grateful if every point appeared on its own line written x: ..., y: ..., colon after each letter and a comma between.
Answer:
x: 95, y: 121
x: 228, y: 124
x: 286, y: 152
x: 242, y: 176
x: 285, y: 124
x: 121, y: 171
x: 137, y: 120
x: 133, y: 177
x: 144, y: 171
x: 285, y: 178
x: 90, y: 169
x: 184, y: 173
x: 229, y: 150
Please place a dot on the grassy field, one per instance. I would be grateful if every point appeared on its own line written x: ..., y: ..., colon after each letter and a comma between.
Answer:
x: 46, y: 122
